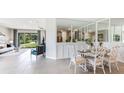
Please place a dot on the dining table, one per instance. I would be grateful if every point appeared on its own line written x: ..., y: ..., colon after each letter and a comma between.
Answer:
x: 88, y: 54
x: 91, y: 54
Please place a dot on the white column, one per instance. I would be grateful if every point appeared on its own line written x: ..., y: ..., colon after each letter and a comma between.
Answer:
x: 51, y: 34
x: 96, y: 40
x: 109, y: 31
x: 87, y: 29
x: 96, y: 33
x: 121, y: 34
x: 71, y: 33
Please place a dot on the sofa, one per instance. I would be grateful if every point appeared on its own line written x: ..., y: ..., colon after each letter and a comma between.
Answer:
x: 6, y: 49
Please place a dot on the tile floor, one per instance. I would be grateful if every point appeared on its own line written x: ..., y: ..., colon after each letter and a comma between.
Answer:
x: 14, y: 65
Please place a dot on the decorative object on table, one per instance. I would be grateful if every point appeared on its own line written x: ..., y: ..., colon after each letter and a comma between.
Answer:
x: 88, y: 41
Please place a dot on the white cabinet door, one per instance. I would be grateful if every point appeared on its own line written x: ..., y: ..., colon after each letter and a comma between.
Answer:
x: 60, y: 51
x: 66, y: 54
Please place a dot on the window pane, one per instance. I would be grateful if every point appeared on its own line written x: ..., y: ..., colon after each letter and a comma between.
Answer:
x: 103, y: 31
x: 123, y: 33
x: 117, y: 33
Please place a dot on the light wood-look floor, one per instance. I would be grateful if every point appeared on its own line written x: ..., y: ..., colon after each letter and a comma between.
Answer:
x: 13, y: 65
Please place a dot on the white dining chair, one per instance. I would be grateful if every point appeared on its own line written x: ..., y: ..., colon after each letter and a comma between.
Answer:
x: 76, y: 49
x: 81, y: 47
x: 112, y: 58
x: 76, y: 60
x: 97, y: 60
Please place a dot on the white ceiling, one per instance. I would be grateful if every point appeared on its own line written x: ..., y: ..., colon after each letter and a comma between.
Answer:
x: 23, y: 23
x: 76, y: 22
x: 37, y: 23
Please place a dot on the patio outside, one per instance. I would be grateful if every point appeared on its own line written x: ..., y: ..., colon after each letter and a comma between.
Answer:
x: 28, y: 40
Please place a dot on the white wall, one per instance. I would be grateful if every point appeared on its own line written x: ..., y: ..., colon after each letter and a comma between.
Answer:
x: 51, y: 32
x: 23, y: 23
x: 7, y: 32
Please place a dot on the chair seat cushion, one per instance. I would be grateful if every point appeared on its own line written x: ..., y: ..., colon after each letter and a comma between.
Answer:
x: 92, y: 60
x: 78, y: 60
x: 110, y: 59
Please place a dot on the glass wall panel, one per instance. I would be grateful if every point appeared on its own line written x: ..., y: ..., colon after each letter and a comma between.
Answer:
x: 116, y: 33
x: 83, y: 34
x: 91, y: 33
x: 103, y: 31
x: 123, y: 33
x: 76, y: 35
x: 64, y: 34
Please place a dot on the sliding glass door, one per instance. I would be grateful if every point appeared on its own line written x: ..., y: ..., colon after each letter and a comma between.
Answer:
x: 28, y: 40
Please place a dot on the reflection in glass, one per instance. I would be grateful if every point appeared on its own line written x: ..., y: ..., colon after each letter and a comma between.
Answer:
x: 63, y: 34
x: 90, y: 34
x: 77, y: 35
x: 103, y: 31
x: 59, y: 36
x: 116, y: 33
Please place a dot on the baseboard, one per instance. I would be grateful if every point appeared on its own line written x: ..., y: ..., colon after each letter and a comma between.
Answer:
x: 50, y: 57
x: 62, y: 58
x: 55, y: 58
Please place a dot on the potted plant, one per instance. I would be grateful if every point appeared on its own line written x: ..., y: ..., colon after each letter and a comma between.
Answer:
x: 88, y: 41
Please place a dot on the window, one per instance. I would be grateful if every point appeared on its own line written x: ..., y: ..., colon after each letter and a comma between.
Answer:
x: 116, y: 37
x: 116, y: 33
